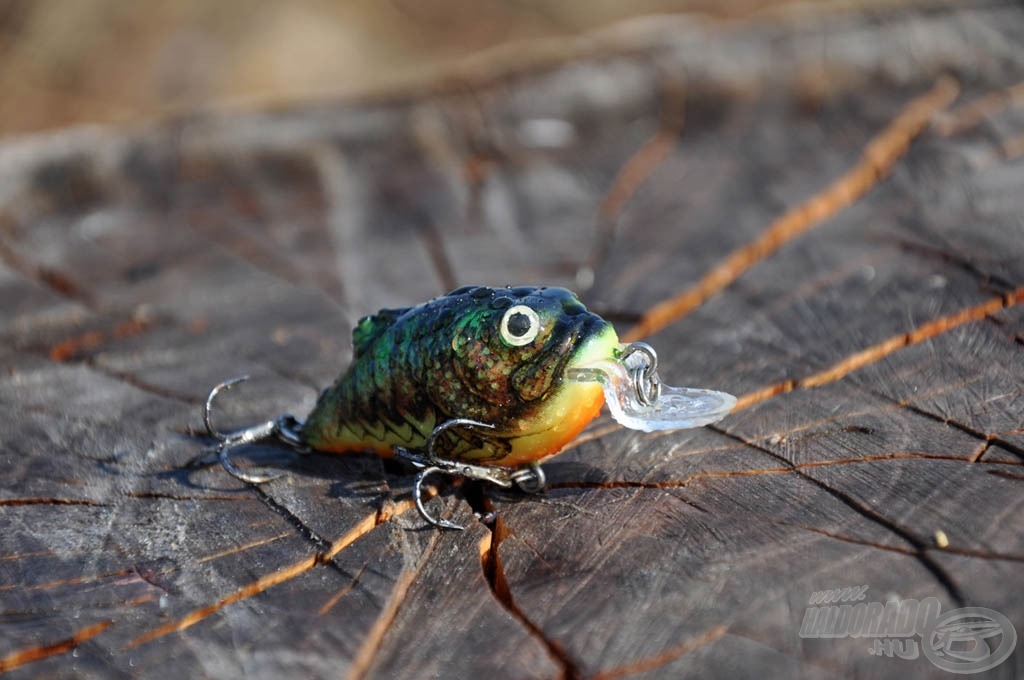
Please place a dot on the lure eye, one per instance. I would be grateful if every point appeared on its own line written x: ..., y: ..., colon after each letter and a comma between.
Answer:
x: 520, y: 326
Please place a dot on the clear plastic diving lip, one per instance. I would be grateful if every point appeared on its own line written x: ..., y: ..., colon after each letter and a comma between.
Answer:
x: 673, y: 408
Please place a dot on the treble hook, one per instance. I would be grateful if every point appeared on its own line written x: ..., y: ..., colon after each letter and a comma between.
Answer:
x: 430, y: 464
x: 530, y: 479
x: 286, y: 428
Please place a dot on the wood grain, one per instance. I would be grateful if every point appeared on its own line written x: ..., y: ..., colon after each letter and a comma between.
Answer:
x: 878, y: 356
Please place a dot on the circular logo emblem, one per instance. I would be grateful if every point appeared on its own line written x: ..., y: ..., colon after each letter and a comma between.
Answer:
x: 969, y: 640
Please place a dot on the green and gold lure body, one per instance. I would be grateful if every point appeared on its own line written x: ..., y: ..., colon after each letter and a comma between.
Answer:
x: 497, y: 356
x: 481, y: 383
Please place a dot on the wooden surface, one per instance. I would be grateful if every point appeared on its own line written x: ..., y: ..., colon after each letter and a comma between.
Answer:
x: 822, y: 215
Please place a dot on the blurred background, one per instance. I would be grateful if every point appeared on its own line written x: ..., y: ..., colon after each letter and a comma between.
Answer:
x: 114, y: 61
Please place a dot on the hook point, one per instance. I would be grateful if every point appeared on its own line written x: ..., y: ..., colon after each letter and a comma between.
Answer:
x: 417, y: 496
x: 208, y: 407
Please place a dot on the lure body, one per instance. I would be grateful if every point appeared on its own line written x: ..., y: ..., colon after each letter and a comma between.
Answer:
x: 481, y: 383
x: 494, y: 355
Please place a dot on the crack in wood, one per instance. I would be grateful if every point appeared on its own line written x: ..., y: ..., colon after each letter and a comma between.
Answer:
x: 989, y: 439
x: 290, y: 375
x: 77, y: 580
x: 161, y: 496
x: 433, y: 241
x: 758, y: 472
x: 134, y: 569
x: 909, y: 455
x: 881, y: 350
x: 667, y: 484
x: 140, y: 384
x: 39, y: 652
x: 305, y: 531
x: 88, y: 360
x: 935, y: 252
x: 667, y: 656
x: 268, y: 581
x: 877, y: 160
x: 364, y: 526
x: 264, y: 583
x: 848, y: 539
x: 150, y: 577
x: 955, y: 550
x: 86, y: 344
x: 144, y: 599
x: 494, y: 575
x: 979, y: 452
x: 1005, y: 473
x: 27, y: 555
x: 116, y: 601
x: 265, y: 258
x: 14, y: 502
x: 342, y: 214
x: 1012, y: 148
x: 638, y: 168
x: 341, y: 593
x: 967, y: 552
x: 324, y: 548
x: 921, y: 554
x: 826, y: 281
x: 371, y: 646
x: 679, y: 498
x: 58, y: 282
x: 242, y: 548
x: 977, y: 110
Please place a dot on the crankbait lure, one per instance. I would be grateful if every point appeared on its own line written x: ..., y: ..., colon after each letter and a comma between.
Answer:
x: 481, y: 383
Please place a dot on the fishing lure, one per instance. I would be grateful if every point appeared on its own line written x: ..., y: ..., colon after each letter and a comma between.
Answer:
x: 481, y: 383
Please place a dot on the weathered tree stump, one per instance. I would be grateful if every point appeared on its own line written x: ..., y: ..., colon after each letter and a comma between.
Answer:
x: 822, y: 213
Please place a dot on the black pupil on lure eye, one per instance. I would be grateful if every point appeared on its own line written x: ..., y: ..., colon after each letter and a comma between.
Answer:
x: 518, y: 325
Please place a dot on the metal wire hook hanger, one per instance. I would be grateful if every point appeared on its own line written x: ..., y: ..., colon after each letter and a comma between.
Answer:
x: 646, y: 382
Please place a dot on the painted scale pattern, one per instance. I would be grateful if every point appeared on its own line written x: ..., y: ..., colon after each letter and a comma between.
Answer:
x: 448, y: 358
